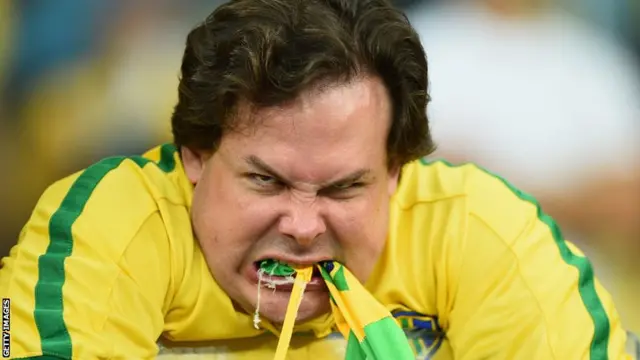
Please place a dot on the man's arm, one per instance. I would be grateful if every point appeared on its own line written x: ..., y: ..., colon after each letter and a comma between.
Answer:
x: 89, y: 275
x: 523, y: 292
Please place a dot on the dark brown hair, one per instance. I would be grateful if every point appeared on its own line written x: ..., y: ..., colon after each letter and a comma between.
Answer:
x: 266, y: 52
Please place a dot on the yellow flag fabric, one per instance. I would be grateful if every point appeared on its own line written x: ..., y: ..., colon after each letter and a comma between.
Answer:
x: 302, y: 279
x: 370, y: 330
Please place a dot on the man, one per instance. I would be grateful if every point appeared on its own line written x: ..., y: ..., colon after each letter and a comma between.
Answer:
x: 299, y: 134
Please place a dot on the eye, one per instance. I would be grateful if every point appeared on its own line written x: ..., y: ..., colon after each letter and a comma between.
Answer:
x: 347, y: 186
x: 343, y: 191
x: 262, y: 180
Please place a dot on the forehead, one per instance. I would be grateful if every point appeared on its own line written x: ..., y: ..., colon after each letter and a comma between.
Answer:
x: 331, y: 126
x: 361, y: 102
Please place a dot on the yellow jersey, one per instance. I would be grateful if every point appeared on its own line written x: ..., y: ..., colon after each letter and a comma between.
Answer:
x: 108, y: 267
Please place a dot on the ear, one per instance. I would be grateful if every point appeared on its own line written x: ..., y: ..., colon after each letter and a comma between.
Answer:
x: 194, y: 163
x: 393, y: 179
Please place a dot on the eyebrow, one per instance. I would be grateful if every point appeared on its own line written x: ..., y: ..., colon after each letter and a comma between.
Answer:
x: 260, y: 165
x: 351, y: 178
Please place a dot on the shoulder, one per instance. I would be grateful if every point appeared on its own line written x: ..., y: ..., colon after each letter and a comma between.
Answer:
x: 467, y: 190
x: 105, y: 205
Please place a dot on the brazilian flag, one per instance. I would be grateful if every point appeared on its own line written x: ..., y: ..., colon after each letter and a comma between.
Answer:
x: 370, y: 330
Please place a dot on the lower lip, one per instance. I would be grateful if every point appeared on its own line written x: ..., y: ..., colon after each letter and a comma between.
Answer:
x: 316, y: 283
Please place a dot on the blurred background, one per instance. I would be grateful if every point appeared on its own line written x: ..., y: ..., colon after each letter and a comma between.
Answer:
x: 545, y: 93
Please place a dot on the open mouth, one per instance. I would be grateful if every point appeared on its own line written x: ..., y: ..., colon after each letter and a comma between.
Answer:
x: 275, y: 268
x: 271, y: 274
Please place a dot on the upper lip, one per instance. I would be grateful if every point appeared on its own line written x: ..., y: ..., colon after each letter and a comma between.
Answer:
x: 295, y: 260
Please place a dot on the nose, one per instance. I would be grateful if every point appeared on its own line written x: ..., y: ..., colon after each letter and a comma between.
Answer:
x: 303, y: 222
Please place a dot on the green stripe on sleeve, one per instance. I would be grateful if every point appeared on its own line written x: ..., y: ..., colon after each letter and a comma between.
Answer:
x: 167, y: 161
x: 49, y: 304
x: 586, y: 280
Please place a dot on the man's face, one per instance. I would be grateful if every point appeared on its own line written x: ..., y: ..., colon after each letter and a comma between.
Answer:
x: 308, y: 182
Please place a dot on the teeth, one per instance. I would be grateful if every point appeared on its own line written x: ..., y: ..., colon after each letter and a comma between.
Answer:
x: 272, y: 282
x: 275, y: 268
